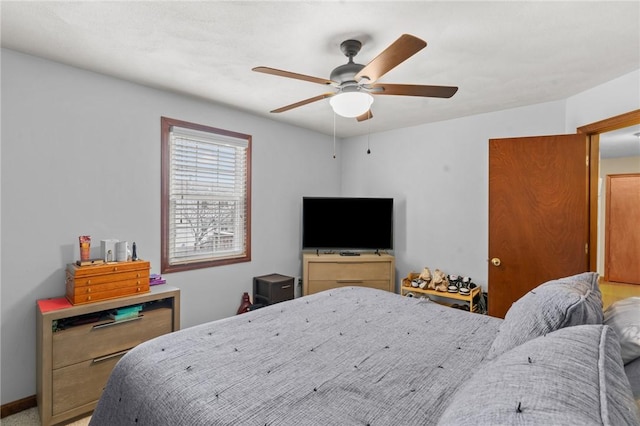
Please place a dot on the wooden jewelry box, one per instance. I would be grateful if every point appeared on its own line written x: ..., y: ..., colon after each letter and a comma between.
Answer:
x: 88, y: 284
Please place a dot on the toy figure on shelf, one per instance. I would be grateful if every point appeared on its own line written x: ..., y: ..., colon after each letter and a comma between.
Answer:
x: 439, y: 281
x: 245, y: 306
x: 425, y: 277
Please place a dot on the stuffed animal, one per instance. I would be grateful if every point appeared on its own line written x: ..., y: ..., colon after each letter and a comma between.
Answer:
x: 432, y: 284
x: 435, y: 279
x: 425, y: 276
x: 408, y: 281
x: 440, y: 281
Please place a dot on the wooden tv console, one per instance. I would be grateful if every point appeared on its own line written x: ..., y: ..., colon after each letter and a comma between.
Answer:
x: 326, y: 271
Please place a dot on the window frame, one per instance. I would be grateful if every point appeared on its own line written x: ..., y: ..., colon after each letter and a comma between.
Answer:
x: 165, y: 265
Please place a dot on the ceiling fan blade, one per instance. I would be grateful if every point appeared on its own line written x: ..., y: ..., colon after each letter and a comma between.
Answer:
x: 414, y: 90
x: 289, y: 74
x: 304, y: 102
x: 398, y: 52
x: 367, y: 115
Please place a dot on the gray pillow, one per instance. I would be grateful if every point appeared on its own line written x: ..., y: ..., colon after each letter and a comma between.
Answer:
x: 624, y: 317
x: 573, y: 376
x: 633, y: 374
x: 556, y: 304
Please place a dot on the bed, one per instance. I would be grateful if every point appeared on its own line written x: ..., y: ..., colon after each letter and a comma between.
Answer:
x: 359, y: 356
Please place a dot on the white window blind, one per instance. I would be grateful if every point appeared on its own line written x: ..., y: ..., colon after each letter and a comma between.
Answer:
x: 207, y: 194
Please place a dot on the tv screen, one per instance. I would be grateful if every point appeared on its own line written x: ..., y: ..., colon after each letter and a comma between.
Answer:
x: 344, y: 223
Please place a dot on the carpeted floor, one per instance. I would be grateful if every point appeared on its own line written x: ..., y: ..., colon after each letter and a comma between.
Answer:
x: 31, y: 417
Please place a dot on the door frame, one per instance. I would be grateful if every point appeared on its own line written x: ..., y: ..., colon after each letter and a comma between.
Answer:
x: 593, y: 131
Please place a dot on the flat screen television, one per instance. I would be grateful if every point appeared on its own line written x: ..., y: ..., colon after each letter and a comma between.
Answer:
x: 347, y: 223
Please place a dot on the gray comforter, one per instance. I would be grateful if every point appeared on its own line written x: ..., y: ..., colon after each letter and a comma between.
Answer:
x: 349, y: 356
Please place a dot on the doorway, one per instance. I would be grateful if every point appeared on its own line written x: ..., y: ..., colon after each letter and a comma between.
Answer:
x: 619, y: 155
x: 611, y: 292
x: 596, y: 224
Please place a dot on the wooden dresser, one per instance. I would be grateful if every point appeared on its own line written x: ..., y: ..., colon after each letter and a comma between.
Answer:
x: 78, y: 346
x: 325, y: 271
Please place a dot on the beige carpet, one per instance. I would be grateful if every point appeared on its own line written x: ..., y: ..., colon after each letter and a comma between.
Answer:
x: 31, y: 417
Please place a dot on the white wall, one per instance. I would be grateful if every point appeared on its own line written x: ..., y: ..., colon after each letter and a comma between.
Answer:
x: 438, y: 174
x: 607, y: 100
x: 81, y: 155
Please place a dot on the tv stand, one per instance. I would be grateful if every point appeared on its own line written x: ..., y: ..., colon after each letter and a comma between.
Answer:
x: 326, y: 271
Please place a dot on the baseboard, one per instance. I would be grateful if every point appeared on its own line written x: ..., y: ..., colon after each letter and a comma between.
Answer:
x: 17, y: 406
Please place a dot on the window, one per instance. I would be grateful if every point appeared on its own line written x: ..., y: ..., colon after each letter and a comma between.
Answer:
x: 206, y: 196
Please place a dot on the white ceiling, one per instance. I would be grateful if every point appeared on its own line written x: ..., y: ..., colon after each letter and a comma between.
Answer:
x: 500, y: 54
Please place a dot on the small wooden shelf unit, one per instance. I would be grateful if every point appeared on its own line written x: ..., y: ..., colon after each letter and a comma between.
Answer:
x: 78, y: 346
x: 326, y: 271
x: 446, y: 295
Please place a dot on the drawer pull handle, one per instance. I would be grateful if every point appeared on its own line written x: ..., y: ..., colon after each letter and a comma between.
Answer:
x: 106, y: 357
x: 286, y: 286
x: 109, y: 324
x: 350, y: 281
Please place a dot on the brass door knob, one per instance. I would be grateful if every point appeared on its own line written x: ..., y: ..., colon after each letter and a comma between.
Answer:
x: 495, y: 261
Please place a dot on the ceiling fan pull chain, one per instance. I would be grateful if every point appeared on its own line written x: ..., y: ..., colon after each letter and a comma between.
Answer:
x: 369, y: 132
x: 334, y: 135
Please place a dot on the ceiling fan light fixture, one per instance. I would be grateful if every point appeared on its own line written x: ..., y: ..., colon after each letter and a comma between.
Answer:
x: 351, y: 104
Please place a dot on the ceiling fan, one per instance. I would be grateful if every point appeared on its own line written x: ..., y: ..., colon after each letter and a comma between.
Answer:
x: 355, y: 83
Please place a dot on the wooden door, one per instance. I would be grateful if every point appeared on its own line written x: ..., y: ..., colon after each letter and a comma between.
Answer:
x: 538, y: 214
x: 622, y: 224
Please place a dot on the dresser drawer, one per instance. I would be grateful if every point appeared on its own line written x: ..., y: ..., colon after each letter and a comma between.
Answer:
x: 95, y: 293
x: 107, y: 269
x: 107, y: 278
x: 321, y: 285
x: 107, y: 286
x: 330, y: 270
x: 345, y: 271
x: 82, y: 383
x: 91, y: 341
